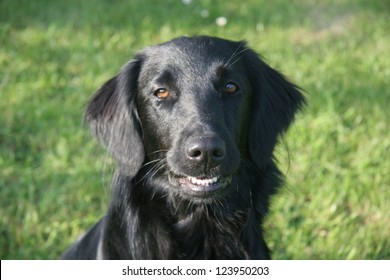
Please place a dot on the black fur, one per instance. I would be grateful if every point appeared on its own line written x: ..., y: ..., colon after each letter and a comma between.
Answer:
x: 195, y: 168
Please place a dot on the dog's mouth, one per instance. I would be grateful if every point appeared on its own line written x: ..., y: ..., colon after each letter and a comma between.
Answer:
x: 205, y: 184
x: 202, y: 185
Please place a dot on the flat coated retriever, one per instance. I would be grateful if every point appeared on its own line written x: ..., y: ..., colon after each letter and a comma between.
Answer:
x: 192, y: 124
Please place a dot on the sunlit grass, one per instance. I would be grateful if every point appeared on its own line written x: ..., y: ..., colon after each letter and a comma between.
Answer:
x: 54, y: 178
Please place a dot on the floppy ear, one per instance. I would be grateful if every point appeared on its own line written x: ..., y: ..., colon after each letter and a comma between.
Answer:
x: 275, y: 102
x: 113, y: 118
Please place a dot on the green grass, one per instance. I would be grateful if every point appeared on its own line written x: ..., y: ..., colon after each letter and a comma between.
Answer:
x: 54, y: 178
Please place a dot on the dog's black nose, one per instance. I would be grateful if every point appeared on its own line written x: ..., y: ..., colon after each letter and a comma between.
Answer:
x: 209, y: 149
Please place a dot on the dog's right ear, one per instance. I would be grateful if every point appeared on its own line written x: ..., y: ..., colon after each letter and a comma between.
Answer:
x: 113, y: 118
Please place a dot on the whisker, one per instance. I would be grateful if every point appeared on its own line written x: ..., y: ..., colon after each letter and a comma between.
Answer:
x: 225, y: 203
x: 234, y: 54
x: 151, y: 162
x: 177, y: 206
x: 160, y: 165
x: 238, y: 58
x: 153, y: 194
x: 154, y: 169
x: 207, y: 212
x: 189, y: 206
x: 158, y: 151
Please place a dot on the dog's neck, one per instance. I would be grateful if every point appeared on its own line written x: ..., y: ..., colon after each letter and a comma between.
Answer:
x: 178, y: 228
x: 212, y: 232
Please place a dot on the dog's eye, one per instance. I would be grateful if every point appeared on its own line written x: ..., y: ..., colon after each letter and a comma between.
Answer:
x: 162, y: 93
x: 231, y: 87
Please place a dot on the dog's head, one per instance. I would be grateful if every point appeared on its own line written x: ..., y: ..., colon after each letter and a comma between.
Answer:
x: 184, y: 114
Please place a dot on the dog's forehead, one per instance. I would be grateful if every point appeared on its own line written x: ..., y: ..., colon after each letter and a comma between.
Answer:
x: 195, y: 60
x: 189, y: 52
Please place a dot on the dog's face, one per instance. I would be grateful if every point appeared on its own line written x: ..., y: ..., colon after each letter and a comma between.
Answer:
x: 193, y: 104
x: 184, y: 114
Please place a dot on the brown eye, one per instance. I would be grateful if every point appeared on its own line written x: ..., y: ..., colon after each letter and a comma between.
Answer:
x: 231, y: 87
x: 162, y: 93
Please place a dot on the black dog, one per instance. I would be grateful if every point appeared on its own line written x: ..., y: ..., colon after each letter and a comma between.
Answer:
x: 192, y: 124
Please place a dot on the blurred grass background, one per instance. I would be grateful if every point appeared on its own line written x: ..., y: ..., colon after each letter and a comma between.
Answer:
x: 55, y: 179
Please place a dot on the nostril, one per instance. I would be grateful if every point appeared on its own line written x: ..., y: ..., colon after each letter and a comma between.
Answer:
x: 194, y: 153
x: 218, y: 153
x: 195, y: 150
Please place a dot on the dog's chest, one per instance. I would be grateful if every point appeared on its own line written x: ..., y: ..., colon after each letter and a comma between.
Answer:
x: 206, y: 237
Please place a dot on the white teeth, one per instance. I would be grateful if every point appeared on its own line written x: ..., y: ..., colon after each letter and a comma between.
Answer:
x: 203, y: 182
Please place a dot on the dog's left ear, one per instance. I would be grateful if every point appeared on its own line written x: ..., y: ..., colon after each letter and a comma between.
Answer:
x: 274, y: 104
x: 113, y: 118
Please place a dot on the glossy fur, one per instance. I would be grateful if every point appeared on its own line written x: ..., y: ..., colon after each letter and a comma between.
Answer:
x: 195, y: 168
